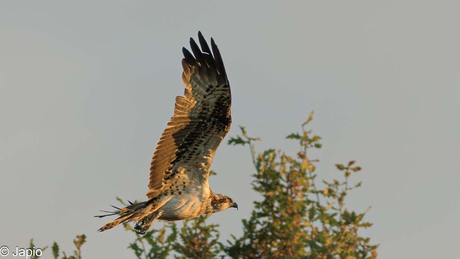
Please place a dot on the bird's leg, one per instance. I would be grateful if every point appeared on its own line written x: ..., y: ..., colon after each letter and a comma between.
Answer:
x: 146, y: 222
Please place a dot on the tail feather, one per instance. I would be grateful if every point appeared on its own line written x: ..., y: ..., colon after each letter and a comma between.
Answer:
x: 134, y: 211
x: 115, y: 222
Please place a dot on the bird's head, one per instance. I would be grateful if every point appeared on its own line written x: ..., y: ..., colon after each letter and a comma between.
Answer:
x: 221, y: 202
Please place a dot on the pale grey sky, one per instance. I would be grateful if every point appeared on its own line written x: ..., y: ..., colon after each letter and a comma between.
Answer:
x: 87, y: 87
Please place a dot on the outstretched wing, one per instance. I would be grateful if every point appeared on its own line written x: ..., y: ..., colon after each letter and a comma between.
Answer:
x: 201, y: 117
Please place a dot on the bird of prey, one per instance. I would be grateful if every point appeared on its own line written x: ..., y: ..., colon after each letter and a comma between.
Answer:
x: 179, y: 171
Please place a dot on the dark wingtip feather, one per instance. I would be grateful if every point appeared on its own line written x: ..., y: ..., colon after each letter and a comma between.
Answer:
x: 204, y: 45
x: 188, y: 56
x: 217, y: 57
x: 196, y: 51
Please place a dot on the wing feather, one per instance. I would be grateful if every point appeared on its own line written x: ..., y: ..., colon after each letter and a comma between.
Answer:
x: 201, y: 117
x: 203, y: 43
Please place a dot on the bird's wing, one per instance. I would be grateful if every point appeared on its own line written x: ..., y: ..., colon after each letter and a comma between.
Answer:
x: 201, y: 117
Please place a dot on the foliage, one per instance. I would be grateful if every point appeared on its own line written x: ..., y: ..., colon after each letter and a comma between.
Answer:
x: 32, y: 247
x: 194, y: 239
x: 78, y: 242
x: 198, y: 240
x: 296, y: 218
x: 155, y: 243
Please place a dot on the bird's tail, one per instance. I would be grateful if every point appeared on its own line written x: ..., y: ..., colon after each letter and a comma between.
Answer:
x: 133, y: 212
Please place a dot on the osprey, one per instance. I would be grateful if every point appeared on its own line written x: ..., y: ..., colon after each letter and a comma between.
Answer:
x: 179, y: 171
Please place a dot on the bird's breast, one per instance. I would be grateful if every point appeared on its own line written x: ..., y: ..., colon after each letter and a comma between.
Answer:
x: 192, y: 201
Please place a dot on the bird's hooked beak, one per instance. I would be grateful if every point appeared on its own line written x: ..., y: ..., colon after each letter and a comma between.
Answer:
x: 234, y: 205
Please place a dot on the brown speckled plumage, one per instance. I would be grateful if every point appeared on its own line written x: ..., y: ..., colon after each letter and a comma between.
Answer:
x: 179, y: 171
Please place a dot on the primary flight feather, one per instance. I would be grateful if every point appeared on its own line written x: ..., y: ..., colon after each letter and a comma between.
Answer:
x: 179, y: 171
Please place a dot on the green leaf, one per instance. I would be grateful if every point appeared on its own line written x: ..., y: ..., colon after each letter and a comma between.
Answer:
x: 294, y: 136
x: 55, y: 250
x: 341, y: 167
x: 237, y: 141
